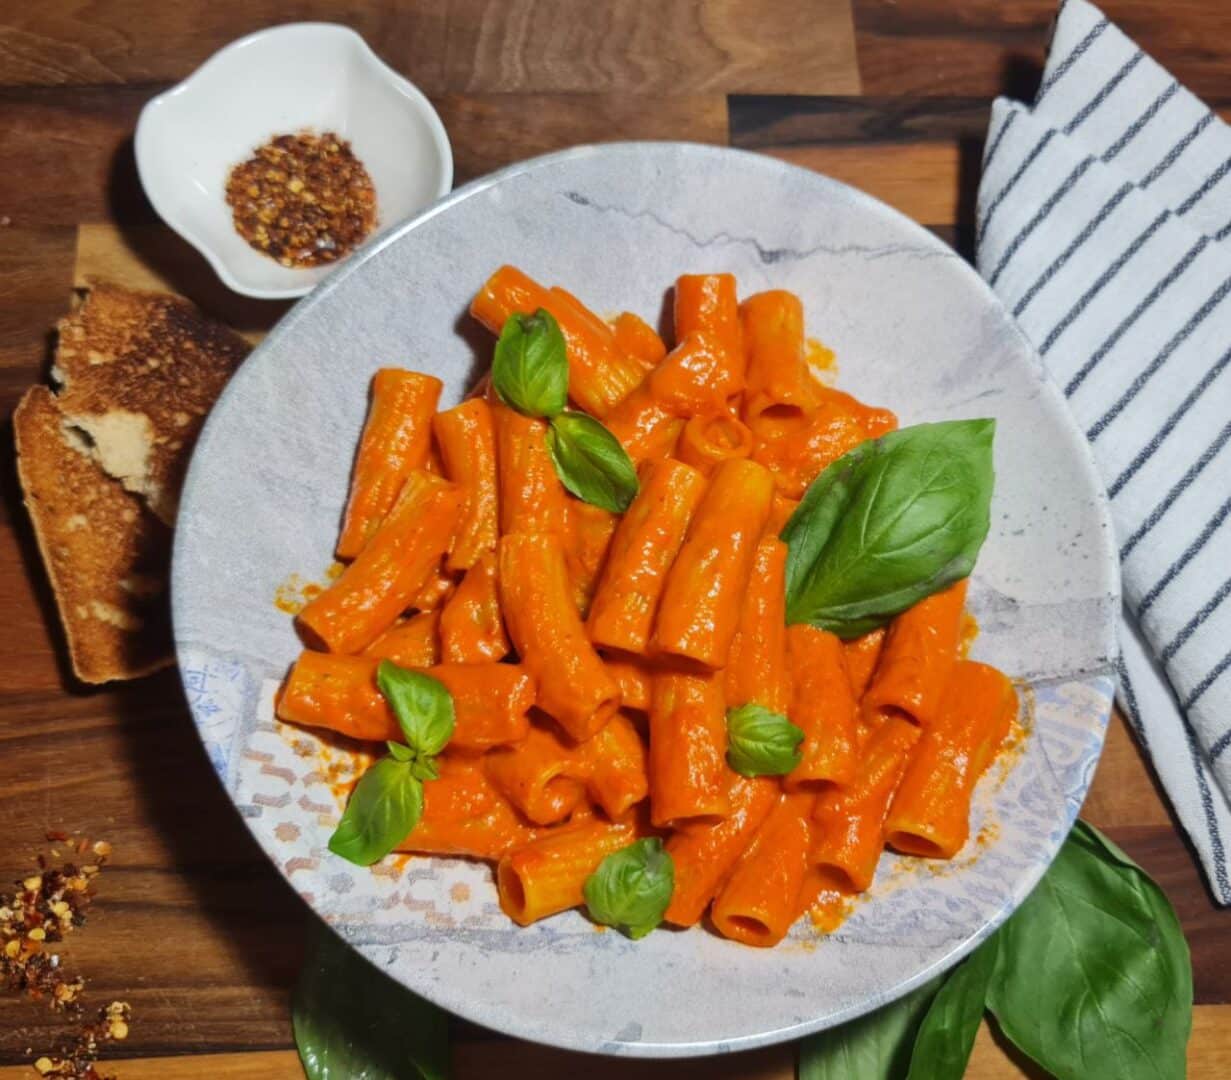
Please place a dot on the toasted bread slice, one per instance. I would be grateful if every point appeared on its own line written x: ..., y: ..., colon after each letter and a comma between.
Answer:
x: 138, y: 372
x: 106, y: 554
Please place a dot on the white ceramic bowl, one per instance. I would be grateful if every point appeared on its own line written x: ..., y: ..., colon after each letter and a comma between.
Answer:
x: 914, y: 328
x: 314, y: 76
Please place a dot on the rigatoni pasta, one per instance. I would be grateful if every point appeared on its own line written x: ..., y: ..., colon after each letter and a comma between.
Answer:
x: 705, y: 852
x: 470, y: 625
x: 645, y: 545
x: 930, y: 815
x: 757, y: 669
x: 534, y: 775
x: 850, y: 817
x: 395, y: 441
x: 701, y: 599
x: 637, y: 338
x: 325, y: 690
x: 547, y: 875
x: 757, y: 904
x: 411, y: 642
x: 531, y: 498
x: 466, y: 437
x: 689, y: 777
x: 917, y: 660
x: 463, y: 814
x: 393, y: 566
x: 545, y: 626
x: 619, y: 668
x: 600, y: 374
x: 824, y: 707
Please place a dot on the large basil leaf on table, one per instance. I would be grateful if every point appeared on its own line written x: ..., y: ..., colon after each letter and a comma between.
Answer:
x: 1094, y: 980
x: 1090, y: 977
x: 891, y: 522
x: 874, y: 1047
x: 353, y: 1022
x: 947, y: 1034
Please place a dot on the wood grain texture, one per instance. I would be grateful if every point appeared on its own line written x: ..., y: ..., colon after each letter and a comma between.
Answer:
x: 1209, y: 1051
x: 920, y: 155
x: 75, y: 143
x: 153, y: 257
x: 36, y: 270
x: 491, y: 130
x: 1209, y: 1058
x: 923, y: 180
x: 759, y: 121
x: 75, y: 146
x: 989, y: 47
x: 652, y: 47
x: 121, y: 42
x: 1110, y: 801
x: 193, y: 926
x: 644, y: 47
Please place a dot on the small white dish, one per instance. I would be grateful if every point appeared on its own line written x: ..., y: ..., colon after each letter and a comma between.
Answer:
x: 301, y: 76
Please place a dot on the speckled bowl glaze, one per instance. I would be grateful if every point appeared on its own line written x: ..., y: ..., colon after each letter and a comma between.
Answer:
x: 914, y: 329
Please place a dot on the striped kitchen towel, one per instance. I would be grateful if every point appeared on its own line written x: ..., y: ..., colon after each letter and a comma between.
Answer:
x: 1104, y: 224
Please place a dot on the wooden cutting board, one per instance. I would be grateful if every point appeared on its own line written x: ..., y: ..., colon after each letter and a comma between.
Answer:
x: 192, y: 926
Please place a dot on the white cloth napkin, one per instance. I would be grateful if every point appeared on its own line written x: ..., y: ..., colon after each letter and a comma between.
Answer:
x: 1104, y: 225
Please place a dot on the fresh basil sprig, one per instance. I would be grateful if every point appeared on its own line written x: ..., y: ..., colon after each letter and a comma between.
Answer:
x: 947, y: 1034
x: 385, y: 805
x: 891, y: 522
x: 530, y: 368
x: 761, y: 742
x: 1090, y: 977
x: 388, y: 800
x: 530, y: 374
x: 1106, y: 945
x: 421, y: 705
x: 873, y: 1047
x: 590, y: 461
x: 352, y: 1022
x: 632, y: 887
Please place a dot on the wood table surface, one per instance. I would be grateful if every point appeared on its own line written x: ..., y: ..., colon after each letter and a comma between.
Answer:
x: 192, y: 926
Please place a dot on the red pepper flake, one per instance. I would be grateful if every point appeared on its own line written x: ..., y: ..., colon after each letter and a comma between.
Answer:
x: 47, y: 905
x: 303, y: 199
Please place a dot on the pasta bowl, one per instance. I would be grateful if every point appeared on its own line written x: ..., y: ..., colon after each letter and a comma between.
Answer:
x: 913, y: 327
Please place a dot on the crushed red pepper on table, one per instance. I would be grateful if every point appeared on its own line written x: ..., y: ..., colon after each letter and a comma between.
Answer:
x: 302, y: 199
x: 48, y: 904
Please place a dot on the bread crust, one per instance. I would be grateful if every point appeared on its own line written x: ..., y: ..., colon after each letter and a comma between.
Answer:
x: 138, y: 373
x: 102, y: 461
x: 106, y: 554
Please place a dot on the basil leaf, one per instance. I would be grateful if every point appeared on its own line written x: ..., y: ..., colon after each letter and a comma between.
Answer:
x: 1094, y: 979
x: 530, y: 368
x: 947, y: 1034
x: 760, y: 742
x: 590, y: 461
x: 422, y: 705
x: 423, y: 767
x: 1088, y: 836
x: 352, y: 1022
x: 874, y: 1047
x: 632, y: 887
x: 385, y: 805
x: 891, y: 522
x: 399, y: 751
